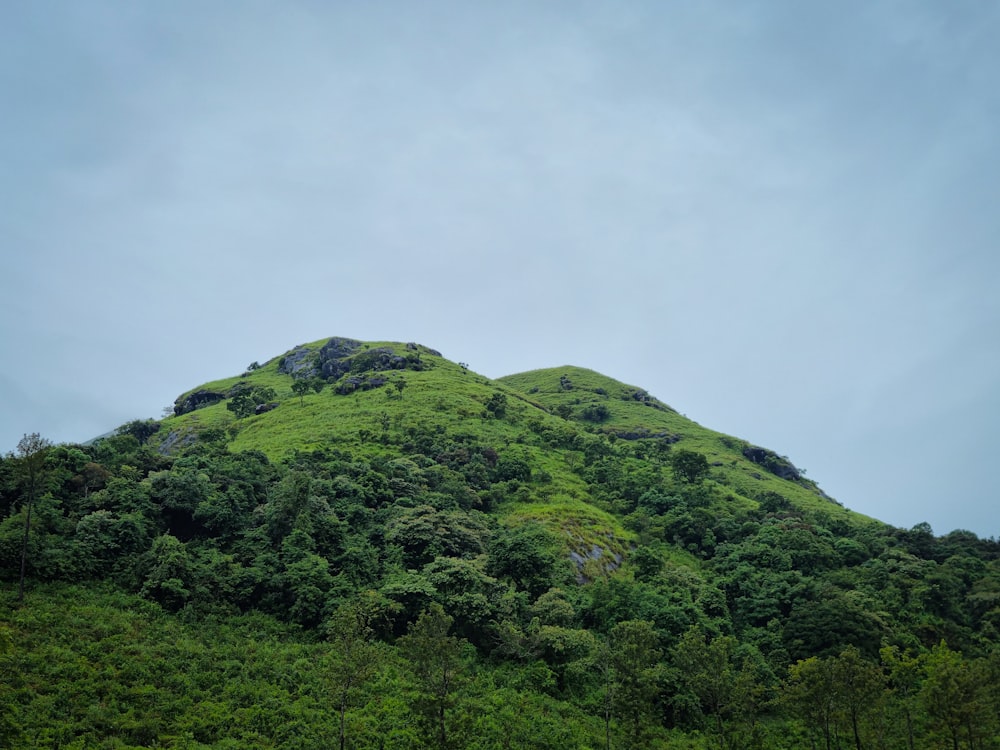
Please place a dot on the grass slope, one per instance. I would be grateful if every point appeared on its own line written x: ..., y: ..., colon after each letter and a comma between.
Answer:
x: 632, y: 413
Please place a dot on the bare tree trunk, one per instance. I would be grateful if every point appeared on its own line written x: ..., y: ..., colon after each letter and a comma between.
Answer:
x: 31, y: 451
x: 343, y: 712
x: 24, y: 545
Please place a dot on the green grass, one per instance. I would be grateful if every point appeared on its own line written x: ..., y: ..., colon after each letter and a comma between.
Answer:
x: 740, y: 476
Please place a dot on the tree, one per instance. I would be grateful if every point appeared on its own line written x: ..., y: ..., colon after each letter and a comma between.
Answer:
x: 496, y: 407
x: 724, y: 691
x: 904, y: 673
x: 245, y: 399
x: 300, y: 388
x: 951, y: 694
x: 437, y: 662
x: 860, y: 690
x: 528, y: 556
x: 169, y: 575
x: 353, y: 658
x: 688, y: 466
x: 809, y: 694
x: 633, y: 657
x: 595, y: 413
x: 30, y: 453
x: 141, y: 429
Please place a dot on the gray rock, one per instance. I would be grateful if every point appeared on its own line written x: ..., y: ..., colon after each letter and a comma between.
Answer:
x: 338, y: 348
x: 299, y: 362
x: 174, y: 440
x: 197, y: 400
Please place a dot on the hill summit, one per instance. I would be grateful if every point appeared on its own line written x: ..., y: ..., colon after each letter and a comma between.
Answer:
x: 391, y: 398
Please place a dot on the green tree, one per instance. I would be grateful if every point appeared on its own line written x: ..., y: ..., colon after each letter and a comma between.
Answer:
x: 860, y: 692
x: 633, y: 654
x: 688, y: 466
x: 595, y: 413
x: 437, y: 662
x: 245, y: 399
x: 169, y: 576
x: 30, y: 454
x: 809, y: 694
x: 141, y: 429
x: 300, y: 388
x: 952, y: 695
x: 496, y: 407
x: 725, y: 691
x: 528, y: 556
x: 353, y: 658
x: 904, y: 672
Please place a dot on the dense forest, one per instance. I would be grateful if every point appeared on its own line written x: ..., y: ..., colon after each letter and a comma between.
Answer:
x: 369, y: 546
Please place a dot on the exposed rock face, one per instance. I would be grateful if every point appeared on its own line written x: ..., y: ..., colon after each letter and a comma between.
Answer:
x: 261, y: 408
x: 375, y: 360
x: 777, y: 465
x: 326, y: 363
x: 299, y: 362
x: 197, y: 400
x: 608, y: 560
x: 340, y: 356
x: 176, y: 440
x: 354, y: 383
x: 338, y: 348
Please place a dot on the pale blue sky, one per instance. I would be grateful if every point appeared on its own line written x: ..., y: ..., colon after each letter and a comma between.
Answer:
x: 778, y: 217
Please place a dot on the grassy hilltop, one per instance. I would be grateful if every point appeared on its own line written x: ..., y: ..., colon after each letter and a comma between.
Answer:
x: 387, y: 394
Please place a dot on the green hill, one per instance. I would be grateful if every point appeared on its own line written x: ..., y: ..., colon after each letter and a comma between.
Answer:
x: 324, y: 533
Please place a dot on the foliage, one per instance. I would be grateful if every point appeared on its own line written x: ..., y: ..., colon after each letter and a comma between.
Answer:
x: 474, y: 565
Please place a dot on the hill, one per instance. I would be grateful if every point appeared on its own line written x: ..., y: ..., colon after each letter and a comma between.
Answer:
x: 567, y: 541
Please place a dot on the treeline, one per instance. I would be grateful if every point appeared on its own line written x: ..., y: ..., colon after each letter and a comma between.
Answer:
x: 375, y: 596
x: 86, y: 667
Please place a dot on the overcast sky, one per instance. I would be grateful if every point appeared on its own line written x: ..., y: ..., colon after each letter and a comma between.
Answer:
x: 781, y: 218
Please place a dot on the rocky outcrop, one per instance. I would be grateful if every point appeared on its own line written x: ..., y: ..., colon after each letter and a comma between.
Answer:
x: 197, y: 400
x: 355, y: 383
x: 777, y: 465
x: 299, y: 362
x: 338, y: 348
x: 340, y: 356
x: 176, y: 440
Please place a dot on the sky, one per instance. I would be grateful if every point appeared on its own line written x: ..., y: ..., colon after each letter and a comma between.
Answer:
x: 779, y: 217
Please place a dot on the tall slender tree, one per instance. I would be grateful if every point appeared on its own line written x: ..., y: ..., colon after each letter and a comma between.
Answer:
x: 30, y: 453
x: 634, y: 656
x: 437, y: 661
x: 353, y: 658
